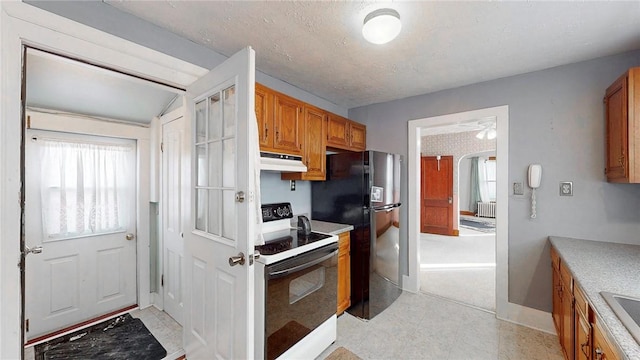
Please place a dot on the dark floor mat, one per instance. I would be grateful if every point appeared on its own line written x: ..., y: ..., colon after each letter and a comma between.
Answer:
x: 120, y: 338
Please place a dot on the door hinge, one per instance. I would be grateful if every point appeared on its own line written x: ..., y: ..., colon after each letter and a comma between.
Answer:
x: 28, y: 122
x: 26, y: 325
x: 161, y: 147
x: 162, y: 280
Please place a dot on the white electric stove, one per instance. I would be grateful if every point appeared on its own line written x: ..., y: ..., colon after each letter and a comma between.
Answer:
x: 296, y: 288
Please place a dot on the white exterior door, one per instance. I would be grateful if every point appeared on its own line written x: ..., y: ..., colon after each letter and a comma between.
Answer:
x: 175, y: 169
x: 219, y: 297
x: 80, y: 209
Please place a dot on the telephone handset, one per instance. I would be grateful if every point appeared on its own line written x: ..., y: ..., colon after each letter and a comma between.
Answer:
x: 535, y: 176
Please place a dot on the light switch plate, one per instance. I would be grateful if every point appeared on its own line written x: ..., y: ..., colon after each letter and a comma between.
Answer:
x: 518, y: 189
x: 566, y: 188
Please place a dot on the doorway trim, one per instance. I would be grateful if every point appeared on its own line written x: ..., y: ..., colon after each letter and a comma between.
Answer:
x: 505, y: 310
x: 22, y: 24
x: 501, y: 113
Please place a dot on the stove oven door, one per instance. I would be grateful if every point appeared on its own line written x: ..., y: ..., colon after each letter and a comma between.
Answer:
x: 300, y: 296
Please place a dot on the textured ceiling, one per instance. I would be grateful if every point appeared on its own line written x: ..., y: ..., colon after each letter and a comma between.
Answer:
x: 318, y: 47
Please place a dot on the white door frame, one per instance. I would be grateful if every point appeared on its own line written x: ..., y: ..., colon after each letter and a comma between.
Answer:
x: 22, y: 24
x: 505, y: 310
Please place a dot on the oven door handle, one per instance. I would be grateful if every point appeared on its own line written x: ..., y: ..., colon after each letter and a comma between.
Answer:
x: 293, y: 269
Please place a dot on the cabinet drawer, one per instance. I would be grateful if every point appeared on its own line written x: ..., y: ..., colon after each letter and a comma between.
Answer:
x: 565, y: 275
x: 581, y: 300
x: 602, y: 348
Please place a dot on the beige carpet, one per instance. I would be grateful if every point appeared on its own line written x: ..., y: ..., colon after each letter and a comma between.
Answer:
x: 342, y: 354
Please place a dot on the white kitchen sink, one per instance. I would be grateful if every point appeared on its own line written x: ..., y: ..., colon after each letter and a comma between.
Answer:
x: 627, y: 309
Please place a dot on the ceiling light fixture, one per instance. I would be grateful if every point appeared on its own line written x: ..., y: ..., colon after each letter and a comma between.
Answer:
x: 381, y: 26
x: 489, y: 131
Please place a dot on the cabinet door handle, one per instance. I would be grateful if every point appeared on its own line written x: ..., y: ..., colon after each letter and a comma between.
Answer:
x: 586, y: 344
x: 599, y: 354
x: 266, y: 132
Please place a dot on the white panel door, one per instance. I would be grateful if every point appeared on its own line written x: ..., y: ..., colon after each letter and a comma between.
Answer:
x: 87, y: 267
x: 175, y: 168
x: 219, y: 298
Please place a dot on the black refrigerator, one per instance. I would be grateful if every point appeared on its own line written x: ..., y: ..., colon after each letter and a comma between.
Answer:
x: 363, y: 189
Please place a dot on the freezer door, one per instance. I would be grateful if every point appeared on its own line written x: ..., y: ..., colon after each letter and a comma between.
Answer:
x: 385, y: 178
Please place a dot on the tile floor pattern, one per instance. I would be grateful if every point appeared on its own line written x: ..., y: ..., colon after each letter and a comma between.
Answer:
x: 166, y: 330
x: 419, y: 326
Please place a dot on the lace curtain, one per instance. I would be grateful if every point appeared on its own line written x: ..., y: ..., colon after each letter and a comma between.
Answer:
x: 86, y: 188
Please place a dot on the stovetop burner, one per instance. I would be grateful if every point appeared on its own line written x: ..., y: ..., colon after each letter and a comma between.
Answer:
x: 289, y: 241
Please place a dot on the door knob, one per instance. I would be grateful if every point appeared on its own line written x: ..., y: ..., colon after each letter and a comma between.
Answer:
x: 129, y: 236
x: 34, y: 250
x: 235, y: 260
x: 450, y: 200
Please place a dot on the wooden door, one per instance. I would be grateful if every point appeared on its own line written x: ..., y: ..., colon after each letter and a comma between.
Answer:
x: 357, y: 136
x: 289, y: 125
x: 337, y: 131
x: 219, y: 272
x: 616, y: 109
x: 436, y: 195
x: 174, y: 172
x: 80, y: 209
x: 264, y: 114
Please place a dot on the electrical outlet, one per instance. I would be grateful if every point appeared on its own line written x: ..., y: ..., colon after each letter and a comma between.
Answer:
x: 566, y: 188
x: 518, y: 189
x: 293, y: 185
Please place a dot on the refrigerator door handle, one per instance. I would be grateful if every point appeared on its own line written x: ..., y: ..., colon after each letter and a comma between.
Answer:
x: 387, y: 208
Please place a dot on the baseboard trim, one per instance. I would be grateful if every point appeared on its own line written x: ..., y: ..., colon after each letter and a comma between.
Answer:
x: 529, y: 317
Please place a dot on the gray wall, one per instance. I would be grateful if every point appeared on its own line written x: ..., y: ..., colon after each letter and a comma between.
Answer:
x: 274, y: 190
x: 116, y: 22
x: 556, y: 119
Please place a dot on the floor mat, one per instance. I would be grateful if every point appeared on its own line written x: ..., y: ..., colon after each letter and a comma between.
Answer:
x: 342, y: 353
x: 479, y: 226
x: 119, y: 338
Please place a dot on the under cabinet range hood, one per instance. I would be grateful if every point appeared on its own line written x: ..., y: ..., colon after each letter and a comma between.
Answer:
x: 281, y: 162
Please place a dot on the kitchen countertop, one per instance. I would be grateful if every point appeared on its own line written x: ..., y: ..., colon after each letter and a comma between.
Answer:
x: 329, y: 228
x: 602, y: 266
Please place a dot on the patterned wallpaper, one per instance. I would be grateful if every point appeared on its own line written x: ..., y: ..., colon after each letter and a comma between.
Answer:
x: 456, y: 144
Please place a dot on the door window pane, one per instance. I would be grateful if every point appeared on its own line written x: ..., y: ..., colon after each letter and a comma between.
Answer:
x: 215, y: 118
x: 215, y: 151
x: 201, y: 209
x: 201, y: 165
x: 201, y: 121
x: 214, y: 212
x: 229, y: 111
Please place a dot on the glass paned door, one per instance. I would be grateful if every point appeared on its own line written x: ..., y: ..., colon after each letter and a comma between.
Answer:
x: 215, y: 168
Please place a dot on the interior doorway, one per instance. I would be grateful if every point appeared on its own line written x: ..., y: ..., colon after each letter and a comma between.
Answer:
x: 461, y: 266
x: 95, y: 256
x: 500, y: 116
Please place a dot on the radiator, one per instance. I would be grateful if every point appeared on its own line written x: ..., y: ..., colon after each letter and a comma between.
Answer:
x: 487, y: 209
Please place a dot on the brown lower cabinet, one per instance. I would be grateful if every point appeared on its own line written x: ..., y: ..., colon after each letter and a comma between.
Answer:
x: 579, y: 331
x: 344, y: 272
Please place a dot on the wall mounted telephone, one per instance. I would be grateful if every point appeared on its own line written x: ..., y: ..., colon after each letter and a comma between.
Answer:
x: 535, y: 175
x: 534, y: 179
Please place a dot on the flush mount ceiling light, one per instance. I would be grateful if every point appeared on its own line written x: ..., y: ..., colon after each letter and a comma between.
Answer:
x: 381, y: 26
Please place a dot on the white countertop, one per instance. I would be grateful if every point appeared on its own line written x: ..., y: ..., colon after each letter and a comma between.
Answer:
x: 602, y: 266
x: 329, y: 228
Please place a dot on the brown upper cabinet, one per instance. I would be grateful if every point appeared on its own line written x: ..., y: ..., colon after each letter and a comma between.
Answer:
x: 314, y: 146
x: 290, y: 126
x: 622, y: 113
x: 345, y: 134
x: 280, y: 121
